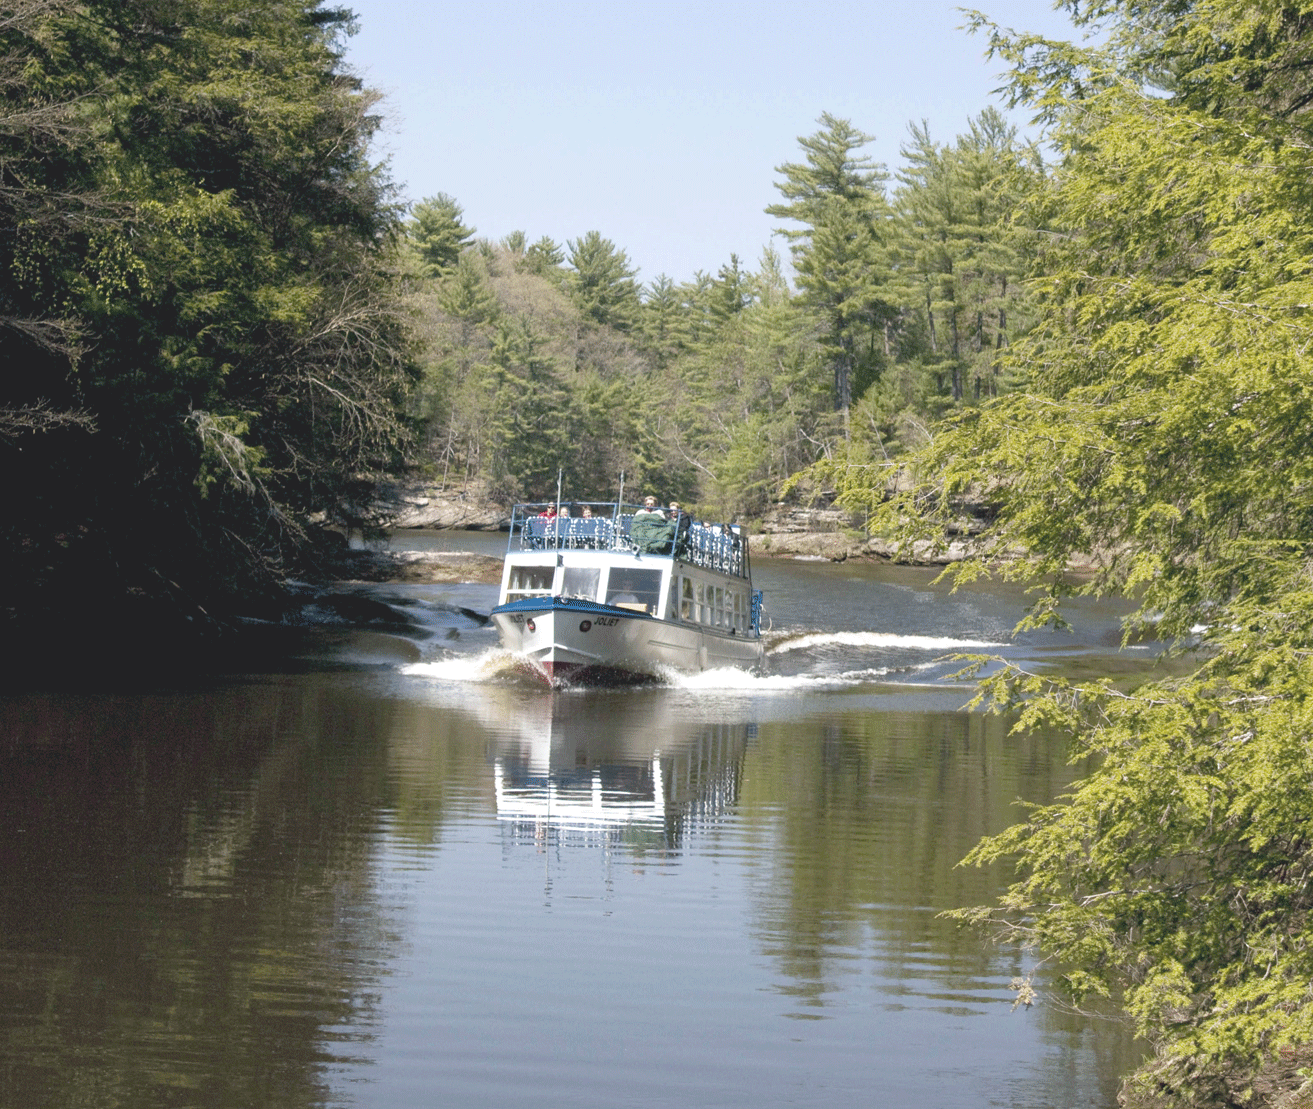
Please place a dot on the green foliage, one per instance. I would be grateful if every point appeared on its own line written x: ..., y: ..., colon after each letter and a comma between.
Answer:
x: 602, y: 283
x: 1164, y: 428
x: 840, y: 254
x: 727, y: 384
x: 519, y: 383
x: 437, y: 233
x: 961, y: 261
x: 466, y: 292
x: 747, y: 399
x: 662, y: 321
x: 544, y: 257
x: 199, y: 265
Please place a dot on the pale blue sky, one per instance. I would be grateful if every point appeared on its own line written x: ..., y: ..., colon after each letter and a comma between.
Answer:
x: 659, y: 125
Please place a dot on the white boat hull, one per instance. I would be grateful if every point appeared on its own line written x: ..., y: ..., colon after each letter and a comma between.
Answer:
x: 566, y: 641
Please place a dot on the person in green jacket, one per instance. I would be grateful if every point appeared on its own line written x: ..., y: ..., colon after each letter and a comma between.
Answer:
x: 650, y: 531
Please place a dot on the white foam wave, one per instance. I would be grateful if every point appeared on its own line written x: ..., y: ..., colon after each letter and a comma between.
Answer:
x: 745, y: 681
x: 486, y: 667
x: 497, y: 665
x: 879, y: 639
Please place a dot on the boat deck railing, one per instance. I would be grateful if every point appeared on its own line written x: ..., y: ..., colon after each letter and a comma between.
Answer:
x: 624, y: 529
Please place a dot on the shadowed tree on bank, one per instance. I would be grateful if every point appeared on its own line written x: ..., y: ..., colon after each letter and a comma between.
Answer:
x: 210, y: 290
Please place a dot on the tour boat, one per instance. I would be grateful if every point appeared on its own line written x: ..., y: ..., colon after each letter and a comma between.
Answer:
x: 625, y: 594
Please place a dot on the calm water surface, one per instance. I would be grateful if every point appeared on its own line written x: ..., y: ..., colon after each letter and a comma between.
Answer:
x: 391, y: 874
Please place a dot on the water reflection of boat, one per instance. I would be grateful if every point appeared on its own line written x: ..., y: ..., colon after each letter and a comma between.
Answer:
x: 620, y: 594
x: 607, y: 772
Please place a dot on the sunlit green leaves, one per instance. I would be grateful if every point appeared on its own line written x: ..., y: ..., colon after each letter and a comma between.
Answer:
x: 1164, y: 433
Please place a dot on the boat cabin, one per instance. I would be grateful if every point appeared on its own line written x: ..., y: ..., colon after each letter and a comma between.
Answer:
x: 680, y: 569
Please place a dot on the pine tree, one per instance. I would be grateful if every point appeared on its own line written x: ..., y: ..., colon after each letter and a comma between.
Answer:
x: 602, y: 282
x: 840, y: 252
x: 544, y: 257
x: 437, y: 233
x: 961, y: 263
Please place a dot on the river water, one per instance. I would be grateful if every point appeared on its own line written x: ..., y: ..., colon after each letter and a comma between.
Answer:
x: 387, y: 872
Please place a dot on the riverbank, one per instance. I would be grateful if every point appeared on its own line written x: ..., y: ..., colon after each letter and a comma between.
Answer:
x: 437, y: 567
x: 418, y: 567
x: 786, y: 531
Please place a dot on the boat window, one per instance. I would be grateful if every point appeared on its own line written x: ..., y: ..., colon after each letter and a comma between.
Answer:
x: 631, y: 588
x: 701, y: 616
x: 720, y: 606
x: 580, y: 581
x: 529, y: 581
x: 686, y: 604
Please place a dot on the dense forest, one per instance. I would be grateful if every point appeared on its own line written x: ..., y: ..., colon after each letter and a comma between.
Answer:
x: 222, y: 330
x: 205, y: 344
x: 893, y: 306
x: 1162, y: 422
x: 226, y: 329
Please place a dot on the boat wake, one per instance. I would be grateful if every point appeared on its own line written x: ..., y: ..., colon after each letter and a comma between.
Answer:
x: 493, y: 665
x: 783, y: 642
x: 745, y: 681
x: 499, y: 667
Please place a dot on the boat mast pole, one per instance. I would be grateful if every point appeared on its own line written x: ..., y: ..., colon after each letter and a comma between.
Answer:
x: 557, y: 521
x: 620, y: 498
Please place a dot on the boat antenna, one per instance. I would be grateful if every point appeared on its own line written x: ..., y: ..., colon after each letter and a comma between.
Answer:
x: 620, y: 499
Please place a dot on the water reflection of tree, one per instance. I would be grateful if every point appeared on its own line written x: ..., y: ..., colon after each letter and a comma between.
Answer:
x: 189, y: 912
x: 860, y: 820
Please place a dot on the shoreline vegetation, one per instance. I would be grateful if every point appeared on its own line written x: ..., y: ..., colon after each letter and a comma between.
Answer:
x: 224, y: 335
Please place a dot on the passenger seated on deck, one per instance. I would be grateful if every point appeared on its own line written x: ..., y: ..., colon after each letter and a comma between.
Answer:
x: 650, y: 531
x: 586, y: 531
x: 683, y: 523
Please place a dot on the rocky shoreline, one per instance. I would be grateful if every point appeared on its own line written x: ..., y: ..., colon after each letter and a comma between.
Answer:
x: 418, y: 567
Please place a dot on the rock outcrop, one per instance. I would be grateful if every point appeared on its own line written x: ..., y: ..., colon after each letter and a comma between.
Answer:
x: 420, y: 504
x: 825, y: 531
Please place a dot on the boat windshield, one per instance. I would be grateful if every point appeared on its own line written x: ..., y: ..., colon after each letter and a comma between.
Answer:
x: 580, y: 581
x: 631, y: 587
